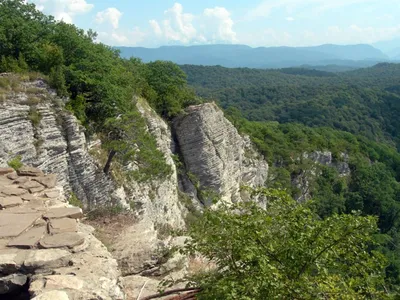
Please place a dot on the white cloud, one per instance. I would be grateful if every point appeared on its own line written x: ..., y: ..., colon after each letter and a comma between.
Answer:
x: 345, y: 35
x: 290, y: 19
x: 178, y: 25
x: 121, y: 38
x: 213, y: 25
x: 63, y: 9
x: 111, y: 15
x: 156, y: 27
x: 316, y: 7
x: 220, y: 18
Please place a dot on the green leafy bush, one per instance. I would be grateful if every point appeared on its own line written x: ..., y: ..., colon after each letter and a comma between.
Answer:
x: 15, y: 163
x: 286, y: 252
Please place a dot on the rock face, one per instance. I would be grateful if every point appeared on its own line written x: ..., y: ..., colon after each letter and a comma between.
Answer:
x: 214, y: 153
x: 67, y: 264
x: 34, y: 126
x: 157, y: 200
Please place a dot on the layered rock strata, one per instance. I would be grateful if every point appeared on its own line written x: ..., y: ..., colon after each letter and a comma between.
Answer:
x: 34, y: 126
x: 216, y: 157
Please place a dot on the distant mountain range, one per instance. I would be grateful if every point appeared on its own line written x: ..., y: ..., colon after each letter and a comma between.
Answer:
x: 390, y: 48
x: 353, y: 56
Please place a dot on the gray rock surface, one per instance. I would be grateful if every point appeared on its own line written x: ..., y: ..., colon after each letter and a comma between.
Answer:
x: 158, y: 200
x: 56, y: 145
x: 215, y: 154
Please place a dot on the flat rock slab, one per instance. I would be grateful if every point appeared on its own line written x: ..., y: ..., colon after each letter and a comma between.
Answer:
x: 64, y: 212
x: 30, y: 184
x: 4, y: 171
x: 12, y: 225
x: 12, y: 191
x: 61, y: 282
x: 48, y: 181
x: 36, y: 189
x: 62, y: 240
x: 10, y: 201
x: 29, y: 171
x: 11, y: 283
x: 28, y: 239
x: 52, y: 194
x: 21, y: 180
x: 63, y: 225
x: 28, y: 197
x: 46, y: 259
x: 52, y: 295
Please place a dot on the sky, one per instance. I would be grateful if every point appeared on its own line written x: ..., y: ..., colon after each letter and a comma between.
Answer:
x: 153, y: 23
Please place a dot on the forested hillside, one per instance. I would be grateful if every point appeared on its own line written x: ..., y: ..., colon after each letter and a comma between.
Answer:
x: 365, y: 101
x: 332, y: 241
x: 289, y: 112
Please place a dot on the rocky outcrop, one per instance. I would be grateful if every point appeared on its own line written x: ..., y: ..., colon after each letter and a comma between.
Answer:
x: 44, y: 248
x: 157, y: 200
x: 216, y: 157
x: 302, y: 180
x: 34, y: 125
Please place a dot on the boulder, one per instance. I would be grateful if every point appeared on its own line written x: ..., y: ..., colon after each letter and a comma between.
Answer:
x: 12, y: 283
x: 29, y: 171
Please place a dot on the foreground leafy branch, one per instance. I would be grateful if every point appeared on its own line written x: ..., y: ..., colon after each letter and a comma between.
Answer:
x: 286, y: 252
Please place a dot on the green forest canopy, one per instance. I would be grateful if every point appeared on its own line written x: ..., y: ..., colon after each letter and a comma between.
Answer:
x: 295, y: 112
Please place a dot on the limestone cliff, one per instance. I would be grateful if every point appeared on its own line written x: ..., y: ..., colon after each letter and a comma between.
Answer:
x: 34, y: 125
x: 215, y: 156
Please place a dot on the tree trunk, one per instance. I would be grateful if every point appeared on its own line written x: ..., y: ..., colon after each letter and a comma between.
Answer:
x: 109, y: 159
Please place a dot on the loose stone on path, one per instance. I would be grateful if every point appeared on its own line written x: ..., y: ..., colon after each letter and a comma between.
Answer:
x: 64, y: 212
x: 62, y: 240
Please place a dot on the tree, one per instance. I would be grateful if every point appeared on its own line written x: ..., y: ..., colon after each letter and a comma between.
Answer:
x: 286, y: 252
x: 169, y: 83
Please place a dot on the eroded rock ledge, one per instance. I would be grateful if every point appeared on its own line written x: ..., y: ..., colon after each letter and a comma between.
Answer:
x: 215, y: 154
x: 44, y: 247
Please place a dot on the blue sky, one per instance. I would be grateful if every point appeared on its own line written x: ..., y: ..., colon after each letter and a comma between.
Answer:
x: 152, y: 23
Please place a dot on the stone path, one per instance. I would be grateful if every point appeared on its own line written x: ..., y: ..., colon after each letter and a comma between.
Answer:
x: 43, y: 244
